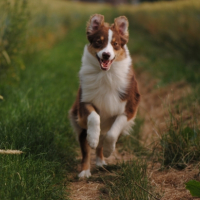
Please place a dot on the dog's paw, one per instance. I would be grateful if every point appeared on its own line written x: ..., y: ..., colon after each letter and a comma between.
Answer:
x: 92, y: 141
x: 108, y: 149
x: 100, y: 162
x: 85, y: 174
x: 108, y: 145
x: 93, y: 130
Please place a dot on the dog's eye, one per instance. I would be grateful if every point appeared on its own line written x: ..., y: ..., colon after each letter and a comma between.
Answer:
x: 115, y: 43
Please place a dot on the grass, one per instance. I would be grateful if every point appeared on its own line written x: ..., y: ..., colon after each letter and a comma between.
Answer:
x: 34, y: 109
x: 34, y: 119
x: 164, y: 65
x: 179, y: 144
x: 30, y: 177
x: 129, y: 182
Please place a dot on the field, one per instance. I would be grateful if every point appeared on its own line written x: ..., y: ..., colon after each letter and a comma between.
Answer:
x: 40, y: 56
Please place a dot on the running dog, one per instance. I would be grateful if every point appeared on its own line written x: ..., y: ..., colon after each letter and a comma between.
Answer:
x: 108, y: 96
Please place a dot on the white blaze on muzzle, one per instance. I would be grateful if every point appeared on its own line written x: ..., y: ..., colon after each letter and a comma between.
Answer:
x: 106, y: 55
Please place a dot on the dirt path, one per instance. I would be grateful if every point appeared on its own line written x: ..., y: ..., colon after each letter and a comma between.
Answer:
x: 154, y: 108
x: 83, y: 189
x: 90, y: 189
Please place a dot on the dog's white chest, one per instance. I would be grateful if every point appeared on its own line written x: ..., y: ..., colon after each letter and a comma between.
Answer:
x: 102, y: 88
x: 108, y: 102
x: 103, y: 92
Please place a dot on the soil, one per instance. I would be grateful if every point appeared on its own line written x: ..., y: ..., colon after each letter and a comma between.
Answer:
x: 154, y: 109
x: 83, y: 189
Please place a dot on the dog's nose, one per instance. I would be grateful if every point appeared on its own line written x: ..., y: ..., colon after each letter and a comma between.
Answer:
x: 106, y: 55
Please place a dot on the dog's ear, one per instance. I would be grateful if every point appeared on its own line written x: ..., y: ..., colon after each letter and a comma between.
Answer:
x: 121, y: 24
x: 94, y: 23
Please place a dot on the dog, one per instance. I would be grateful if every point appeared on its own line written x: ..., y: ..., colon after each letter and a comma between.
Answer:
x: 108, y: 96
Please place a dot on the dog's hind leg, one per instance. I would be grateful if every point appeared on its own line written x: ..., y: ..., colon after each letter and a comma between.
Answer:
x: 113, y: 134
x: 85, y: 150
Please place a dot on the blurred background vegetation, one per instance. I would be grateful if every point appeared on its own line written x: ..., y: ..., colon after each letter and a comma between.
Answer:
x: 30, y: 28
x: 41, y: 44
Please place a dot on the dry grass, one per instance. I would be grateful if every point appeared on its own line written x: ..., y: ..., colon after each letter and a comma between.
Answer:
x: 10, y: 151
x: 171, y: 183
x: 155, y: 110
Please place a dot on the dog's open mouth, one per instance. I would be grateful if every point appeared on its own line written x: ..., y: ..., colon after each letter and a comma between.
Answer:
x: 105, y: 64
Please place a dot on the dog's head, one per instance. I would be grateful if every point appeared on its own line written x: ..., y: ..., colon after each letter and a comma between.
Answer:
x: 107, y: 41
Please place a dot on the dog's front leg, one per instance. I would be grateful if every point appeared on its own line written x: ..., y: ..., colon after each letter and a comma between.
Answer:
x: 89, y: 121
x: 93, y: 129
x: 113, y: 134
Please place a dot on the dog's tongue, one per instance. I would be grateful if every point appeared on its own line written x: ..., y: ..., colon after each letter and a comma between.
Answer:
x: 105, y: 63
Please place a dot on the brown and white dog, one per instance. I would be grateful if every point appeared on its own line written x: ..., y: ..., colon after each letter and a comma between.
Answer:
x: 108, y: 95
